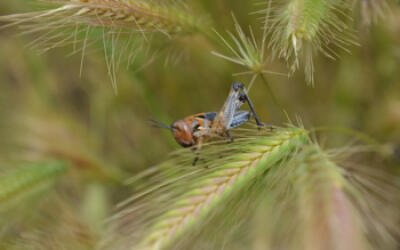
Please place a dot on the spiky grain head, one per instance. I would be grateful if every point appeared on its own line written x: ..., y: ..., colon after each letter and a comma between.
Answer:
x: 186, y: 197
x: 300, y: 28
x: 129, y: 23
x: 293, y: 191
x: 247, y: 52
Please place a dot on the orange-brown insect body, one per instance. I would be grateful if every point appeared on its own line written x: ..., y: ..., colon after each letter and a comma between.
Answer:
x: 184, y: 130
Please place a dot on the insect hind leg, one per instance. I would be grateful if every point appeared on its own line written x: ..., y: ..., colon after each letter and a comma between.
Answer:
x: 245, y: 98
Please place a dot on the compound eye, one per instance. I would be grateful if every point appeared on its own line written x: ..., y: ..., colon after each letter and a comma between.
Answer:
x: 237, y: 85
x: 175, y: 126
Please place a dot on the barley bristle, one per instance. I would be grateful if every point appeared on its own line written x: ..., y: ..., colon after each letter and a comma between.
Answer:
x: 303, y: 27
x: 219, y: 184
x: 144, y: 16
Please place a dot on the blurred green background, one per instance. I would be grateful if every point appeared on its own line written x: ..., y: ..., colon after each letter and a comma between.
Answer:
x: 49, y: 112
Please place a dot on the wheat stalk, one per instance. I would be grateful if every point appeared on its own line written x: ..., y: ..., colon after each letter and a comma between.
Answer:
x: 128, y: 23
x: 134, y: 15
x: 305, y: 193
x: 170, y: 209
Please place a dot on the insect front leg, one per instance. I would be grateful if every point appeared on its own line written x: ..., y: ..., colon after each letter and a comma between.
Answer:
x: 200, y: 133
x: 196, y: 158
x: 196, y: 150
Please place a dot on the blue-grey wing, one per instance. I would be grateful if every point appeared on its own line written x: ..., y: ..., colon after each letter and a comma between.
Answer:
x: 231, y: 105
x: 239, y: 118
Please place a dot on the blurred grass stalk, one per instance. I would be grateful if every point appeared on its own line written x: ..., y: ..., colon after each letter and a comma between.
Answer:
x: 372, y: 10
x: 28, y: 180
x: 312, y: 205
x: 42, y: 137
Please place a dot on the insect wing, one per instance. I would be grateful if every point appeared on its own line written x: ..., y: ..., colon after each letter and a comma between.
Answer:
x: 225, y: 116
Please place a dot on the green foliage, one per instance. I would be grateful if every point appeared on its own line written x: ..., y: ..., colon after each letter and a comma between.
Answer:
x: 17, y: 183
x: 90, y: 147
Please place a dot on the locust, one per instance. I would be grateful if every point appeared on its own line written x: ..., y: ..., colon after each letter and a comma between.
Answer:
x: 194, y: 130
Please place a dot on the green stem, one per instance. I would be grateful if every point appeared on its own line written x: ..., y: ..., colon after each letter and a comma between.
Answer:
x: 272, y: 95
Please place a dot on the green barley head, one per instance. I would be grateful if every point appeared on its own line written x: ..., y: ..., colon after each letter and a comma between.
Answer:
x: 246, y: 51
x: 301, y: 28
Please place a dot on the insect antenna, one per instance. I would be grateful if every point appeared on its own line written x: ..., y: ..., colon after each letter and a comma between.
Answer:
x: 159, y: 124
